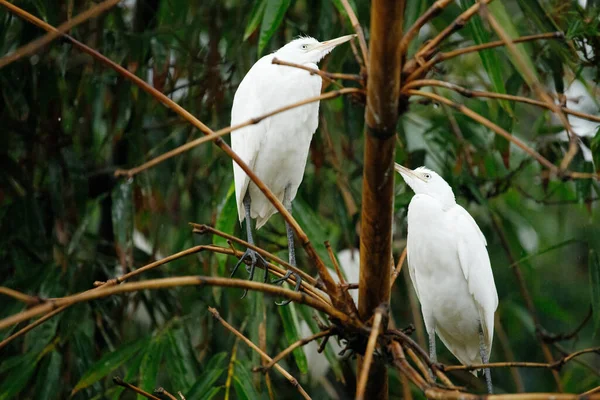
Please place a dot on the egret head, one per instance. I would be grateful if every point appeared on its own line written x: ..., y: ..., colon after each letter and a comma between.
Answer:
x: 306, y: 50
x: 422, y: 180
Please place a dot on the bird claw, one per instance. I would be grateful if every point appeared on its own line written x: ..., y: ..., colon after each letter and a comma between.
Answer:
x: 283, y: 279
x: 255, y: 259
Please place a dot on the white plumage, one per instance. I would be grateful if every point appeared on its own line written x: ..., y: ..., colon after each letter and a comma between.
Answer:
x: 450, y: 268
x: 276, y: 148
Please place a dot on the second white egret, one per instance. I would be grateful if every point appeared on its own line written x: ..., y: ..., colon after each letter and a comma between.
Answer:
x: 277, y: 147
x: 450, y: 270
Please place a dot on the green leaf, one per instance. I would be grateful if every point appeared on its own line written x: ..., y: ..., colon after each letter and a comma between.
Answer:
x: 18, y: 377
x: 180, y: 365
x: 594, y: 267
x: 108, y: 363
x: 315, y: 227
x: 242, y: 383
x: 274, y: 13
x: 226, y: 221
x: 289, y: 319
x: 122, y: 213
x: 212, y: 372
x: 258, y: 10
x: 48, y: 378
x: 150, y: 364
x: 208, y: 395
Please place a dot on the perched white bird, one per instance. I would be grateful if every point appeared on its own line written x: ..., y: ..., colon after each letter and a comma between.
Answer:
x: 450, y: 270
x: 277, y: 147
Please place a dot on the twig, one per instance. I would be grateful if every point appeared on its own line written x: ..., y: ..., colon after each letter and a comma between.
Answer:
x: 164, y: 283
x: 293, y: 347
x: 534, y: 83
x: 471, y: 49
x: 22, y: 297
x: 207, y: 229
x: 164, y: 392
x: 118, y: 381
x: 231, y: 365
x: 35, y: 45
x: 254, y: 347
x: 398, y: 268
x: 32, y: 325
x: 214, y: 136
x: 556, y: 365
x: 431, y: 13
x: 487, y: 123
x: 336, y: 266
x: 457, y: 24
x: 368, y: 358
x: 593, y: 390
x: 551, y: 337
x: 332, y: 290
x: 359, y: 31
x: 492, y: 95
x: 329, y: 76
x: 399, y: 361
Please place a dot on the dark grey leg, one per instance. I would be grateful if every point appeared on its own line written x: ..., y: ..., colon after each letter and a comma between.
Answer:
x: 287, y: 202
x: 484, y: 358
x: 254, y: 256
x: 432, y: 351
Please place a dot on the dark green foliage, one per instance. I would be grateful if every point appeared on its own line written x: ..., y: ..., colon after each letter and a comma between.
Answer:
x: 69, y: 122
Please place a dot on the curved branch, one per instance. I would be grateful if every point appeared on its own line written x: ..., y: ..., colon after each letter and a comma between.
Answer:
x: 332, y: 290
x: 431, y: 13
x: 164, y: 283
x: 493, y: 95
x: 359, y: 31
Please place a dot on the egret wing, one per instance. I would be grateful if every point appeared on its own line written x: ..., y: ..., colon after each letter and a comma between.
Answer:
x: 476, y: 267
x: 247, y: 141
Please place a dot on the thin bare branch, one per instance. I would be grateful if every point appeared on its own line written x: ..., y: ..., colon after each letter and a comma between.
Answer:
x: 264, y: 355
x: 368, y: 358
x: 492, y: 95
x: 293, y: 347
x: 207, y: 229
x: 32, y: 325
x: 334, y: 261
x: 214, y: 136
x: 535, y: 84
x: 118, y: 381
x: 358, y: 29
x: 328, y: 76
x: 165, y: 283
x: 428, y: 15
x: 487, y: 123
x: 35, y: 45
x: 498, y: 43
x: 556, y: 365
x: 456, y: 25
x: 22, y: 297
x: 398, y: 268
x: 332, y: 290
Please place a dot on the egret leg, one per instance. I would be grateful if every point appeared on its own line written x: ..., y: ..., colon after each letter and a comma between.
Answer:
x: 291, y: 249
x: 432, y: 351
x: 484, y: 358
x: 254, y: 256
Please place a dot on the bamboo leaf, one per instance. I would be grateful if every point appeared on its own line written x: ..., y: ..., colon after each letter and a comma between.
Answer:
x: 289, y: 319
x: 212, y: 372
x: 258, y: 10
x: 274, y: 12
x: 48, y: 378
x: 108, y: 363
x: 180, y: 365
x: 594, y: 268
x: 151, y: 362
x: 18, y: 377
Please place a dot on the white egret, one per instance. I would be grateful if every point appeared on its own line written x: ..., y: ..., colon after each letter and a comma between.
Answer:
x: 277, y: 147
x: 450, y: 270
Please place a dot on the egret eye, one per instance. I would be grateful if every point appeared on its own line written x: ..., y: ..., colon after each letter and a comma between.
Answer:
x: 427, y: 176
x: 304, y: 46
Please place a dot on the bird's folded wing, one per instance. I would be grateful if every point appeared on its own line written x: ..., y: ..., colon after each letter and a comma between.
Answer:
x: 476, y: 267
x: 248, y: 103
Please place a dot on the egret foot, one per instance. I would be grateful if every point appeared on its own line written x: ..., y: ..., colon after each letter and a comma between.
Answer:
x: 255, y: 259
x: 283, y: 279
x: 485, y: 359
x: 432, y: 354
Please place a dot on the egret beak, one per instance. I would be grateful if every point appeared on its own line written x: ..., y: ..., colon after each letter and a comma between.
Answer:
x: 402, y: 170
x: 328, y: 45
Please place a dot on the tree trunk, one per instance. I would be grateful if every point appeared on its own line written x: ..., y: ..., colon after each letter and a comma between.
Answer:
x: 383, y: 87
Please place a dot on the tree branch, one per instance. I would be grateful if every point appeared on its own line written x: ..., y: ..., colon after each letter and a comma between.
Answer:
x: 358, y: 29
x: 264, y: 355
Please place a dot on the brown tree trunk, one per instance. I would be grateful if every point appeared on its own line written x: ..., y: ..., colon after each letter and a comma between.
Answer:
x: 383, y: 88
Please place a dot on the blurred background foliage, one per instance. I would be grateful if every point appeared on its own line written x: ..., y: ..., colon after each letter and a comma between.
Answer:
x: 65, y: 221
